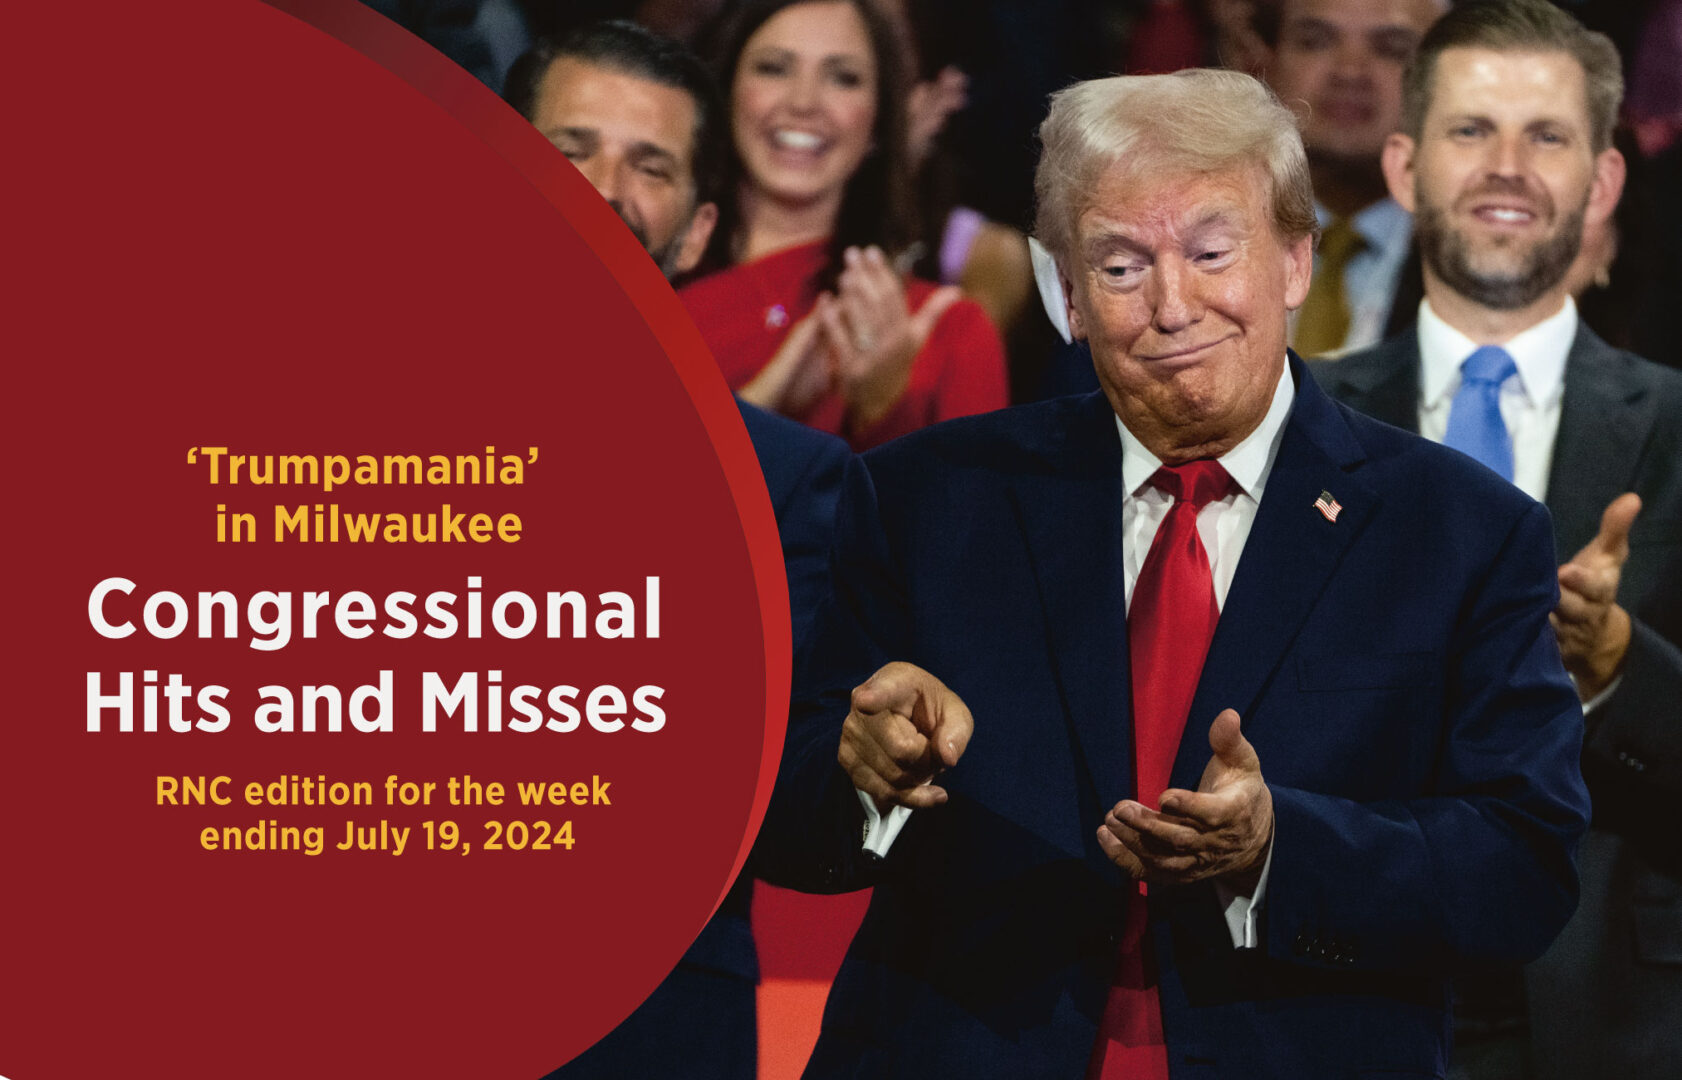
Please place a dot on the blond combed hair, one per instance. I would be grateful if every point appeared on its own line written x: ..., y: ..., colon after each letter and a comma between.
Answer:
x: 1191, y: 122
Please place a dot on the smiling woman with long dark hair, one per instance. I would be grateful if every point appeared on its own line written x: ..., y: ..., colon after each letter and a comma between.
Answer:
x: 814, y: 317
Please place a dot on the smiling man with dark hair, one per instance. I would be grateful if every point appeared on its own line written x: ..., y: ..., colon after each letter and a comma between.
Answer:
x: 1339, y: 64
x: 638, y: 115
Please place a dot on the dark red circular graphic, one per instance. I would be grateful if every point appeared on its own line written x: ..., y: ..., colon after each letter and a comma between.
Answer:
x: 331, y: 384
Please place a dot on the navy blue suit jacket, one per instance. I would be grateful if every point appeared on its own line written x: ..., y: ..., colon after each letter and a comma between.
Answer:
x: 803, y: 472
x: 1607, y: 998
x: 700, y: 1021
x: 1395, y: 671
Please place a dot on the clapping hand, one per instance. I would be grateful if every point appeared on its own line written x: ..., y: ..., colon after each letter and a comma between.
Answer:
x: 1593, y: 631
x: 1223, y: 829
x: 874, y: 336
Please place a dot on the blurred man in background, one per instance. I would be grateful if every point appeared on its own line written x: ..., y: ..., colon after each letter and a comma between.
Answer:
x: 1338, y: 64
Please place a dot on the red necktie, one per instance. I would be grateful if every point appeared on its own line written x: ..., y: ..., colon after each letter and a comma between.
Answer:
x: 1169, y: 628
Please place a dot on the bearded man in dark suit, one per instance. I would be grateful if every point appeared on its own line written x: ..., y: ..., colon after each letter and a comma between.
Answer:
x: 641, y: 119
x: 1507, y: 153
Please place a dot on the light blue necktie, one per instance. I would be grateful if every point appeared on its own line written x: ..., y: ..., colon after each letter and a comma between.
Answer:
x: 1474, y: 419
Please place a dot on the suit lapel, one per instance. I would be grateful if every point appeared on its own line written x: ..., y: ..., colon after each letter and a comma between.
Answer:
x: 1383, y: 383
x: 1604, y: 421
x: 1290, y: 554
x: 1070, y: 515
x: 1071, y: 510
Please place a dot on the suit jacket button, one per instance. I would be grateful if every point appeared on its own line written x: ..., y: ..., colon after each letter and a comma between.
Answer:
x: 1301, y: 945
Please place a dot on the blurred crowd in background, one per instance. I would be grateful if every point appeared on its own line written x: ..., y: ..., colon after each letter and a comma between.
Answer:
x: 978, y: 75
x: 845, y: 207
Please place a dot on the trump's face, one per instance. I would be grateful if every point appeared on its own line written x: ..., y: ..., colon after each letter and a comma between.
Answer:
x: 1181, y: 285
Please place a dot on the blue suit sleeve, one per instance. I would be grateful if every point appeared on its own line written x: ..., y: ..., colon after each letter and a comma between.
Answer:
x: 803, y: 470
x: 811, y: 839
x: 806, y: 523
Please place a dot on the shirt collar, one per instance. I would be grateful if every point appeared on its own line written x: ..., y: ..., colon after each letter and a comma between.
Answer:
x: 1248, y: 463
x: 1538, y: 352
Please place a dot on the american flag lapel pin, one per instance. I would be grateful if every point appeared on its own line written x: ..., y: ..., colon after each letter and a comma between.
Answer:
x: 1329, y: 507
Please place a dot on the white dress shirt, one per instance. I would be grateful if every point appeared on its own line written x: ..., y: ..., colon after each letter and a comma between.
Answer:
x: 1530, y: 398
x: 1223, y: 526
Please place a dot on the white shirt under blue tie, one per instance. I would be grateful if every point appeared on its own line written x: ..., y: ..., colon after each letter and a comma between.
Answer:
x: 1529, y: 398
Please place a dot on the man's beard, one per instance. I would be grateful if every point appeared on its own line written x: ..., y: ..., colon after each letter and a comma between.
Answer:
x: 666, y: 258
x: 1448, y: 253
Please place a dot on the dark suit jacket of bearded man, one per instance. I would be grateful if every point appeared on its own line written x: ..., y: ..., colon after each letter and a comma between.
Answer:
x: 700, y: 1022
x: 1395, y: 672
x: 1607, y: 998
